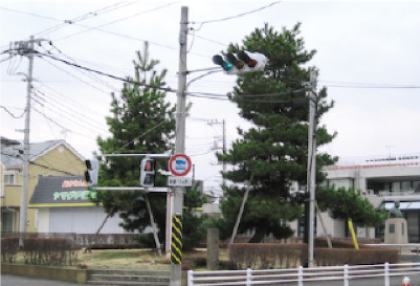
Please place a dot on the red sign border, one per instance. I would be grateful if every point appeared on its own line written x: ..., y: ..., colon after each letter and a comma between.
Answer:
x: 175, y: 173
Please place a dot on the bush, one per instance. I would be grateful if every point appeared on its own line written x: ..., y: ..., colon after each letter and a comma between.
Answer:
x: 146, y: 240
x: 267, y: 255
x: 49, y: 251
x: 9, y: 249
x: 337, y: 256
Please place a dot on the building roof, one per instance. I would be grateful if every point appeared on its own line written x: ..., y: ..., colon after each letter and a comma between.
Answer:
x: 62, y: 191
x: 12, y: 156
x: 6, y: 141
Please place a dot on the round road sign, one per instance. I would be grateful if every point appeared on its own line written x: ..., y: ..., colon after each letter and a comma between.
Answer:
x: 180, y: 165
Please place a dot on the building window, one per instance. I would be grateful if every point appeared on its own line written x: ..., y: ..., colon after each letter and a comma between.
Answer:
x: 9, y: 179
x: 38, y: 176
x: 406, y: 186
x: 416, y: 186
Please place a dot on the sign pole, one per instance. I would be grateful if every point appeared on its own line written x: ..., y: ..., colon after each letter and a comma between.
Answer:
x: 176, y: 253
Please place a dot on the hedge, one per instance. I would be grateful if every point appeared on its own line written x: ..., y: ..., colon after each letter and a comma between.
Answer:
x: 267, y: 255
x: 40, y: 250
x: 9, y: 249
x: 341, y: 256
x: 292, y: 255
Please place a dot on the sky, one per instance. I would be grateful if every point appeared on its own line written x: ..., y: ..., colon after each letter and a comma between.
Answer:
x: 367, y: 54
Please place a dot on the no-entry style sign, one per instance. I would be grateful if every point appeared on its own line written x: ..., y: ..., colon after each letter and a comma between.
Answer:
x: 180, y: 165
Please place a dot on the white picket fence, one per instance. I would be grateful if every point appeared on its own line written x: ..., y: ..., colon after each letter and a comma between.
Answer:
x: 298, y: 276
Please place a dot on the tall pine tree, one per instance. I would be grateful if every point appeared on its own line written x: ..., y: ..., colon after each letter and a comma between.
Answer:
x: 143, y: 122
x: 274, y: 151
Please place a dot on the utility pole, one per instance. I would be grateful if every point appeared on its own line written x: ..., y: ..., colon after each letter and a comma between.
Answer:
x: 26, y: 131
x: 224, y: 153
x: 176, y: 256
x: 211, y: 122
x: 312, y: 165
x: 25, y: 48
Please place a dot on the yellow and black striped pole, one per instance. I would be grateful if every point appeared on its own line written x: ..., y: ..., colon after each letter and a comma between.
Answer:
x: 176, y: 249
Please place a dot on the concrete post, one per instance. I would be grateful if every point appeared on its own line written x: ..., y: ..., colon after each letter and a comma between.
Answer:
x: 213, y: 248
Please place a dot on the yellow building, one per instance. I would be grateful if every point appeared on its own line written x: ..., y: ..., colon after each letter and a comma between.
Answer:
x: 49, y: 158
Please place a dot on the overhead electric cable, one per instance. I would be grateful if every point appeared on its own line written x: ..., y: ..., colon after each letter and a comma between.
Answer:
x: 119, y: 20
x: 91, y: 85
x: 59, y: 125
x: 86, y: 16
x: 94, y: 77
x: 237, y: 16
x: 68, y: 119
x: 83, y: 117
x: 209, y: 40
x: 108, y: 75
x: 11, y: 114
x: 141, y: 135
x: 6, y: 59
x: 31, y: 14
x: 114, y: 33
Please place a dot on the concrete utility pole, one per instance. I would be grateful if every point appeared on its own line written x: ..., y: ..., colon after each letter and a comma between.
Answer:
x: 312, y: 165
x: 211, y: 122
x: 176, y: 255
x: 26, y: 131
x: 224, y: 151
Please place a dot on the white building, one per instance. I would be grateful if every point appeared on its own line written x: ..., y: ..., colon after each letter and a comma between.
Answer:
x: 64, y: 206
x: 382, y: 180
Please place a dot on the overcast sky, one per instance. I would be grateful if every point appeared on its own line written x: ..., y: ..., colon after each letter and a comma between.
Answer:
x: 367, y: 54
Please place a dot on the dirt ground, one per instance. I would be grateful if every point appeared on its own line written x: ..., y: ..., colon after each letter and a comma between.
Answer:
x: 134, y: 259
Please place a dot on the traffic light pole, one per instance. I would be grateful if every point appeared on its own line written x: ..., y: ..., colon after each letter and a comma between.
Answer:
x: 176, y: 252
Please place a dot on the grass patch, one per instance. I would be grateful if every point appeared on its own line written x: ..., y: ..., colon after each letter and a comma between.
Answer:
x: 145, y: 259
x: 117, y: 255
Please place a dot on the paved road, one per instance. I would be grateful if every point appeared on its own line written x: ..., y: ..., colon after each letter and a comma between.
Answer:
x: 9, y: 280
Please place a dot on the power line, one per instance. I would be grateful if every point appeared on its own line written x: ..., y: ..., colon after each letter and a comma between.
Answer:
x: 200, y: 154
x: 85, y: 16
x: 65, y: 98
x: 83, y: 125
x: 141, y: 135
x: 83, y: 117
x: 31, y: 14
x: 116, y: 21
x: 65, y: 153
x: 61, y: 126
x: 91, y: 85
x: 113, y: 33
x: 108, y: 75
x: 11, y: 114
x: 100, y: 81
x: 237, y: 16
x: 210, y: 40
x: 6, y: 59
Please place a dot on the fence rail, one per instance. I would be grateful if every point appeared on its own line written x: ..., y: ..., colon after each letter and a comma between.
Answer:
x: 301, y: 275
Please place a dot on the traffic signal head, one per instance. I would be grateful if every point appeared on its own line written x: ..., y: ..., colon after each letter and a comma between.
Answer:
x: 147, y: 172
x: 218, y: 60
x: 243, y: 62
x: 92, y: 172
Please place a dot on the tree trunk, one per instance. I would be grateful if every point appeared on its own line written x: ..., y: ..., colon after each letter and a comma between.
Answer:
x: 88, y: 247
x: 259, y: 234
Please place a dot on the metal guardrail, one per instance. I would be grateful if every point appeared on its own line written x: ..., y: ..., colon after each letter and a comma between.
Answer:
x: 301, y: 275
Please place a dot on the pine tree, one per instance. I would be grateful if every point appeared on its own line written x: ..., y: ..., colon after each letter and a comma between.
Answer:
x: 347, y: 203
x: 274, y: 151
x: 142, y: 123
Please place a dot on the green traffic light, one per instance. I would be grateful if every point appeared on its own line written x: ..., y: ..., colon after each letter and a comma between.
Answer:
x: 218, y: 60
